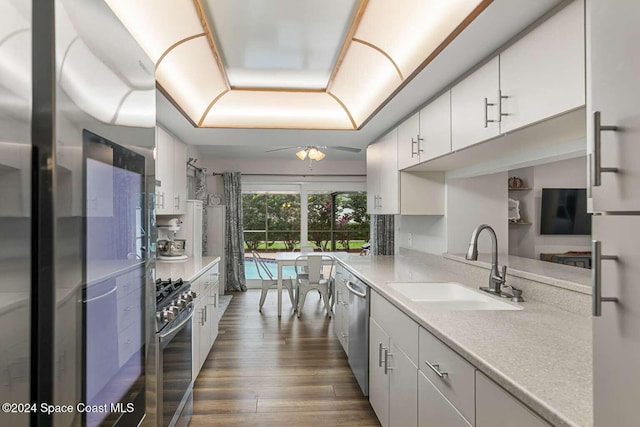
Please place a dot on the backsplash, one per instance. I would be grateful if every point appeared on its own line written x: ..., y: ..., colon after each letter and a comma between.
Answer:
x: 565, y: 299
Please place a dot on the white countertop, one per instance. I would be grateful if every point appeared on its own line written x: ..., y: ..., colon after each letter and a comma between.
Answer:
x: 562, y: 276
x: 188, y: 269
x: 542, y: 355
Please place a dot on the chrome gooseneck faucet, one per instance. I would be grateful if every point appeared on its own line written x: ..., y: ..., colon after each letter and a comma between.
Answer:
x: 495, y: 279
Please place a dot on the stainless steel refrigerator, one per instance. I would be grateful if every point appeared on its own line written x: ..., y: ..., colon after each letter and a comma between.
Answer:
x: 613, y: 135
x: 77, y: 178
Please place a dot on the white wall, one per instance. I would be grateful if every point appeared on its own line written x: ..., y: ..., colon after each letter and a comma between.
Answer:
x: 333, y: 172
x: 422, y: 233
x: 565, y: 174
x: 469, y: 203
x: 475, y: 201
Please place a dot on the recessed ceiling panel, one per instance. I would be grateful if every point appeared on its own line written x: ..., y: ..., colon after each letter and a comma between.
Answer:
x: 280, y: 43
x: 158, y: 24
x: 191, y: 75
x: 409, y: 30
x: 354, y: 86
x: 277, y: 109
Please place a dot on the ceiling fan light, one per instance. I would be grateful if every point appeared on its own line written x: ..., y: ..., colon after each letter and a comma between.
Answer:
x: 302, y: 154
x: 320, y: 156
x: 313, y: 153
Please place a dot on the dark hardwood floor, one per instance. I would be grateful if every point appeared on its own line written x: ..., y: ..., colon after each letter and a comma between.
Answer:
x: 265, y: 371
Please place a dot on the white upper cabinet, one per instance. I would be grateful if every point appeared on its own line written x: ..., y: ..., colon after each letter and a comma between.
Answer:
x: 613, y: 74
x: 409, y: 140
x: 180, y: 177
x: 426, y: 134
x: 382, y: 176
x: 474, y: 107
x: 373, y: 178
x: 435, y: 128
x: 171, y: 172
x: 543, y: 74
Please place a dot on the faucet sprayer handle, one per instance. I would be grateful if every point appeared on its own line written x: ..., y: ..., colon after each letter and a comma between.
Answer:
x: 504, y: 274
x: 516, y: 293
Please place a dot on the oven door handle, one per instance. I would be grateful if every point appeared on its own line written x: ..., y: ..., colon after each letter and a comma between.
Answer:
x: 163, y: 336
x: 112, y: 290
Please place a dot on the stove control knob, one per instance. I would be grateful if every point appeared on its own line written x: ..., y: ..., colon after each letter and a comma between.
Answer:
x: 193, y: 295
x: 168, y: 315
x: 181, y: 303
x: 187, y: 297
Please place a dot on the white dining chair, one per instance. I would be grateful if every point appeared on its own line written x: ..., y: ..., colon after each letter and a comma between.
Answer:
x: 319, y: 270
x: 269, y: 281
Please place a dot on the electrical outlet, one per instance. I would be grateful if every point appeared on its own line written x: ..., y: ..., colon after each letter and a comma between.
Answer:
x: 410, y: 239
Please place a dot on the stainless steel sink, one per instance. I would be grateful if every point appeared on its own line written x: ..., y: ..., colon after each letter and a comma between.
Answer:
x: 445, y: 296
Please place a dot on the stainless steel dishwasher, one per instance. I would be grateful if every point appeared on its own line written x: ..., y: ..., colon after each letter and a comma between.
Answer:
x: 359, y: 331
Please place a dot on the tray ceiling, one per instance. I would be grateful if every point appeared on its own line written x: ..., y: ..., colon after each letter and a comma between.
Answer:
x: 318, y: 64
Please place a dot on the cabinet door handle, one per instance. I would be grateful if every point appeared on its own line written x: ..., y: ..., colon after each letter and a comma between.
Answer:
x: 486, y: 112
x: 416, y: 143
x: 387, y: 368
x: 380, y: 349
x: 596, y: 278
x: 344, y: 335
x: 177, y: 199
x: 161, y: 197
x: 596, y: 176
x: 500, y: 98
x: 436, y: 368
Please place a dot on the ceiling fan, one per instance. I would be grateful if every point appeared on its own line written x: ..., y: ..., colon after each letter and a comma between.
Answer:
x: 313, y: 152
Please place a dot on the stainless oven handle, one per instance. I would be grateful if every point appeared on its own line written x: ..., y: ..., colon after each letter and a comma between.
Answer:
x: 115, y: 288
x: 355, y: 291
x: 177, y: 327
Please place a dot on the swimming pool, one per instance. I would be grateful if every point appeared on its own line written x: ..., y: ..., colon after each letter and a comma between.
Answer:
x: 250, y: 272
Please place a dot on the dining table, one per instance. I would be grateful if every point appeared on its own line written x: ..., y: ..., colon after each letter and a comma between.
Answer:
x: 284, y: 259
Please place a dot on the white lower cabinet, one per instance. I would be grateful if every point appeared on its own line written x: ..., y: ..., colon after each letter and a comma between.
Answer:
x: 449, y: 372
x: 341, y: 309
x: 417, y: 380
x: 434, y: 410
x: 378, y: 378
x: 393, y: 381
x: 205, y: 317
x: 403, y: 388
x: 497, y: 408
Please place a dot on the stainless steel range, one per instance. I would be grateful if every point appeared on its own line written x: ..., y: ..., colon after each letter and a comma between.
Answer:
x: 174, y: 311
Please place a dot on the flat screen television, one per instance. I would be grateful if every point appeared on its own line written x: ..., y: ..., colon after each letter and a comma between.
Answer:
x: 564, y: 211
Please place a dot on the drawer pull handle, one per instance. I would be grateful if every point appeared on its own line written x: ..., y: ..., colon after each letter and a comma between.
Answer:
x: 436, y: 368
x: 344, y: 335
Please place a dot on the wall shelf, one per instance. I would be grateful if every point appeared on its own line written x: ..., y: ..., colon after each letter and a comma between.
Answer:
x: 519, y: 223
x: 519, y: 189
